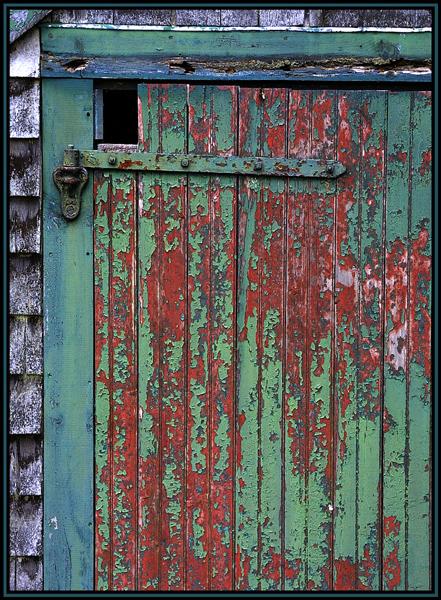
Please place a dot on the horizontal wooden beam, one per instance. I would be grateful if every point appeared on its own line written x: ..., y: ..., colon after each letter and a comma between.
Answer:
x: 221, y: 165
x: 296, y: 54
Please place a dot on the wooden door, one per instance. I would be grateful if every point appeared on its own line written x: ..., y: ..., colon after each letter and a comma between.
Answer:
x: 262, y: 347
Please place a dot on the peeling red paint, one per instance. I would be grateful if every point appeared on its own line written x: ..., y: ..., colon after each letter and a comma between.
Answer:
x: 391, y: 526
x: 392, y: 570
x: 250, y: 458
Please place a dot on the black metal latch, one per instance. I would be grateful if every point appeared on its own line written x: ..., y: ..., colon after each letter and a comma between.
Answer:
x: 70, y: 180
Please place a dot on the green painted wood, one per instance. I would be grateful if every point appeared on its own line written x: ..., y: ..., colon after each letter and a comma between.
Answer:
x: 163, y: 128
x: 371, y: 300
x: 102, y: 282
x: 347, y: 293
x: 395, y: 418
x: 297, y: 278
x: 420, y: 278
x: 272, y: 197
x: 110, y: 68
x: 292, y: 55
x: 321, y: 216
x: 68, y: 348
x: 236, y: 45
x: 248, y: 332
x: 309, y: 336
x: 211, y: 284
x: 223, y: 165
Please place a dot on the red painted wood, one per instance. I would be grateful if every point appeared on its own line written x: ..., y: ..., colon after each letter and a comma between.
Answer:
x: 346, y: 343
x: 149, y: 460
x: 116, y: 329
x: 321, y: 204
x: 199, y: 349
x: 273, y: 133
x: 297, y: 336
x: 248, y: 333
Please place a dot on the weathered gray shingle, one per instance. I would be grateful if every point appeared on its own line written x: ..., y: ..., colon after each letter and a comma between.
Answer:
x: 25, y: 400
x: 143, y: 17
x: 24, y: 225
x: 198, y: 17
x: 25, y: 55
x: 25, y: 466
x: 25, y: 285
x: 29, y: 574
x: 239, y: 18
x: 281, y: 18
x: 82, y: 16
x: 24, y: 108
x: 17, y: 337
x: 25, y: 526
x: 24, y: 163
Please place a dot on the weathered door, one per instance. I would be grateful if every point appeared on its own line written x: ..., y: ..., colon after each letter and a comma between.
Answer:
x: 262, y: 346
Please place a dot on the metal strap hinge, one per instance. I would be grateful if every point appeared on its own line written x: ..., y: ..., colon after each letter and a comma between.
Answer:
x: 73, y: 175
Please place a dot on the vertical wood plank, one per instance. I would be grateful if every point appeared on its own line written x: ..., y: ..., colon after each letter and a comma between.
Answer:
x: 123, y: 372
x: 248, y: 332
x: 273, y: 132
x: 296, y: 335
x: 103, y: 385
x: 116, y: 381
x: 68, y: 349
x: 199, y: 347
x: 395, y: 472
x: 262, y: 131
x: 420, y: 234
x: 150, y: 200
x: 164, y: 122
x: 347, y: 274
x: 212, y: 204
x: 319, y: 307
x: 223, y: 329
x: 372, y: 159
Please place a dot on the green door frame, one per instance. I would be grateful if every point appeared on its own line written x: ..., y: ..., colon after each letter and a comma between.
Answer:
x: 67, y: 100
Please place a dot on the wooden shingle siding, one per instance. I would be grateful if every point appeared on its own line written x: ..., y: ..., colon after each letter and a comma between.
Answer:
x: 25, y: 465
x: 249, y: 18
x: 198, y: 17
x: 143, y: 17
x: 25, y: 274
x: 375, y: 18
x: 281, y: 18
x: 25, y: 162
x: 239, y: 18
x: 26, y: 574
x: 26, y: 344
x: 25, y: 398
x: 24, y: 226
x: 25, y: 526
x: 82, y: 16
x: 24, y: 108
